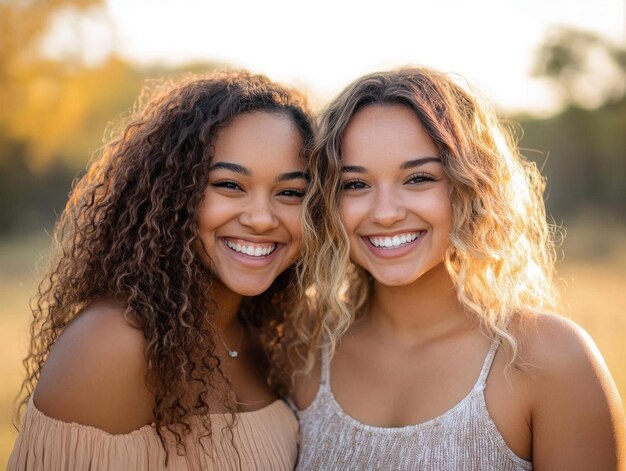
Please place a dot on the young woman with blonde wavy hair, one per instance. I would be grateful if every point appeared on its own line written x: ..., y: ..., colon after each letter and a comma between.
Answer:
x: 434, y: 292
x: 175, y: 265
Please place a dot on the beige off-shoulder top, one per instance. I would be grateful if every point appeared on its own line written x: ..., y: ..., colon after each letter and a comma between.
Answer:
x: 265, y: 439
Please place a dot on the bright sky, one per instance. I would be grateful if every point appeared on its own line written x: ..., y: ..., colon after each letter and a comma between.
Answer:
x: 323, y: 45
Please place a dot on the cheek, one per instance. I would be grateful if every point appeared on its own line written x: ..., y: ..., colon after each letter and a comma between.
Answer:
x: 205, y: 212
x: 215, y: 211
x: 441, y: 217
x: 292, y: 220
x: 446, y: 213
x: 437, y: 208
x: 351, y: 212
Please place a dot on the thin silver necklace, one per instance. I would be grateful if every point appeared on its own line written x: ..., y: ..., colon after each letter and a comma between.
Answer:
x: 233, y: 353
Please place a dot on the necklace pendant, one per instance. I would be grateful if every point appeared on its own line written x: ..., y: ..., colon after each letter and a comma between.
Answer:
x: 233, y: 353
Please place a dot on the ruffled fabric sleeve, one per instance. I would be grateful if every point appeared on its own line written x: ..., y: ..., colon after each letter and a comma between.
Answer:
x: 49, y: 444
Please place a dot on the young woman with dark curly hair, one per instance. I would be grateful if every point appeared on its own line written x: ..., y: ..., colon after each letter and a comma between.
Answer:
x: 175, y: 265
x: 447, y: 355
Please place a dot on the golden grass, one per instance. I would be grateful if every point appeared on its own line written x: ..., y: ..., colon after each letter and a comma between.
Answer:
x: 592, y: 283
x: 17, y: 285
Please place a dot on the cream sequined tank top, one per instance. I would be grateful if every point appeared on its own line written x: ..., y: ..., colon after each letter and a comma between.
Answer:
x: 463, y: 438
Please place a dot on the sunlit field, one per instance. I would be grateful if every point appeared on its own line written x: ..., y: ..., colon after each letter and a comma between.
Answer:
x: 592, y: 281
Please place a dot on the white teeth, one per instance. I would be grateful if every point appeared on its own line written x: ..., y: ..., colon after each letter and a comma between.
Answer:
x: 395, y: 241
x: 252, y: 251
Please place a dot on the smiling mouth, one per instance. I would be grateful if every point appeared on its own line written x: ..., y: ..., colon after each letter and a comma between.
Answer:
x: 395, y: 241
x: 251, y: 249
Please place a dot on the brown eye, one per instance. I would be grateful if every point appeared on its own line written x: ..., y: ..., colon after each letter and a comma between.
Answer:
x: 420, y: 177
x: 353, y: 185
x: 292, y: 193
x: 228, y: 184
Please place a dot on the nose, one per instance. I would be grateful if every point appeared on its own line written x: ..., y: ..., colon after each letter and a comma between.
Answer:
x: 258, y: 215
x: 387, y: 208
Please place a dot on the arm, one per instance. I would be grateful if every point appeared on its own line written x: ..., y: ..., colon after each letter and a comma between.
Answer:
x: 577, y: 415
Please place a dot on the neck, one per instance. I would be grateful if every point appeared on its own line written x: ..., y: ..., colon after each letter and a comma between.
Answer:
x: 423, y: 310
x: 228, y: 304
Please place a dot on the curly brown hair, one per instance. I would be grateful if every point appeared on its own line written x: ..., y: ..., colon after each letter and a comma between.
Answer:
x: 128, y: 232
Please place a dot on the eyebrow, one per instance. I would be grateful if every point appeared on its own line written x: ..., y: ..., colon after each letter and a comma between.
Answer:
x: 293, y: 176
x: 353, y: 169
x: 418, y: 162
x: 247, y: 172
x: 405, y: 165
x: 232, y: 167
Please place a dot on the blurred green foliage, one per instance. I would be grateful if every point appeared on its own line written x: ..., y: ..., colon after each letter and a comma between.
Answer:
x: 54, y: 113
x: 59, y: 123
x: 583, y: 157
x: 582, y: 150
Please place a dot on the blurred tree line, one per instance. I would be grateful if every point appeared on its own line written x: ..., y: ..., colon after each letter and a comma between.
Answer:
x: 581, y: 150
x: 53, y: 115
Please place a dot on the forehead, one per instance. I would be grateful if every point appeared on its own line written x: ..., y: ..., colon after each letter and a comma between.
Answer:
x: 260, y: 139
x: 386, y: 132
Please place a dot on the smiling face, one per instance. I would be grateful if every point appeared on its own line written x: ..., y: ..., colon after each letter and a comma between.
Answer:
x: 249, y: 221
x: 395, y: 201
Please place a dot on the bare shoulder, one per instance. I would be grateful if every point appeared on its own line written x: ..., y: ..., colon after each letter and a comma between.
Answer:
x: 555, y: 347
x: 96, y: 372
x: 561, y: 355
x: 576, y: 407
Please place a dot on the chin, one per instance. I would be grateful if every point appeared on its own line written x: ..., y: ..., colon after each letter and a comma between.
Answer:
x: 252, y: 293
x: 396, y: 282
x: 248, y: 290
x: 396, y: 278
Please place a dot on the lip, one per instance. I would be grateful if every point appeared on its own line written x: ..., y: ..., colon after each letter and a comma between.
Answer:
x: 251, y: 261
x: 396, y: 233
x: 384, y: 252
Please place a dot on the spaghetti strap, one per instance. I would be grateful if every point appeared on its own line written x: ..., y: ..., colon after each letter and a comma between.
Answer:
x: 484, y: 372
x: 325, y: 376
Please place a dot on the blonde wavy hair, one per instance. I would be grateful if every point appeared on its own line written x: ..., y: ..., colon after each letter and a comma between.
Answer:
x: 502, y: 252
